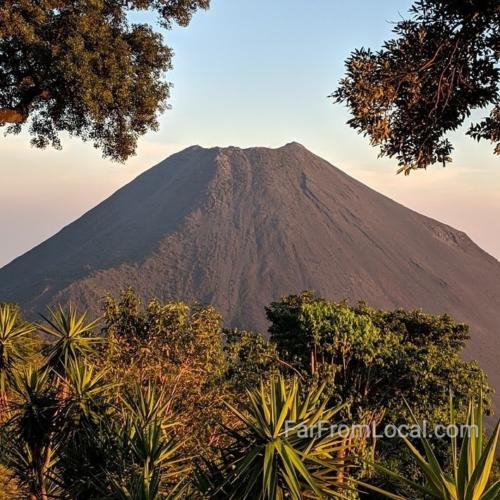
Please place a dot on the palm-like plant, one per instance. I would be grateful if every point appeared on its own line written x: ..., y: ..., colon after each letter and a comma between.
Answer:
x: 39, y: 481
x: 157, y: 461
x: 14, y: 345
x: 50, y: 438
x: 271, y: 457
x: 148, y: 462
x: 87, y: 390
x: 79, y: 416
x: 71, y: 337
x: 471, y: 465
x: 146, y: 404
x: 32, y: 443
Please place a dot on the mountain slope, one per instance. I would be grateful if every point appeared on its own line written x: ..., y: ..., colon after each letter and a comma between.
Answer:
x: 241, y: 227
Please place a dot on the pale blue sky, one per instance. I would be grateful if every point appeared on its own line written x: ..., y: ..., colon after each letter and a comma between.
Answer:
x: 252, y: 72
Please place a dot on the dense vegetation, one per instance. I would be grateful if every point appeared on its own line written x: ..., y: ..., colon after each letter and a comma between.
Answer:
x: 158, y: 401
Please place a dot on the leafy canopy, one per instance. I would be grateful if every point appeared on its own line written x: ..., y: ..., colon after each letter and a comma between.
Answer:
x: 171, y: 345
x: 81, y: 67
x: 373, y: 358
x: 424, y: 83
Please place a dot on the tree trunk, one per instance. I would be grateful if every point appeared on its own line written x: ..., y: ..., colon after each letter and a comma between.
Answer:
x: 42, y: 471
x: 4, y: 406
x: 313, y: 360
x: 341, y: 456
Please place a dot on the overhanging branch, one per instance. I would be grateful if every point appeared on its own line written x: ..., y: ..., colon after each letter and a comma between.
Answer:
x: 19, y: 113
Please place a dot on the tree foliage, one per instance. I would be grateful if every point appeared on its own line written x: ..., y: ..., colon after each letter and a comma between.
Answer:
x: 171, y: 345
x: 441, y: 66
x: 374, y: 358
x: 83, y: 68
x: 250, y: 358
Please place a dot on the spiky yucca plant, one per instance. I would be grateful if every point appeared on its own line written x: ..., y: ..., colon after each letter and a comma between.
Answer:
x: 44, y: 425
x: 70, y: 335
x: 32, y: 439
x: 151, y: 466
x: 14, y: 345
x: 470, y: 477
x: 147, y: 404
x: 87, y: 395
x: 270, y: 457
x: 156, y: 461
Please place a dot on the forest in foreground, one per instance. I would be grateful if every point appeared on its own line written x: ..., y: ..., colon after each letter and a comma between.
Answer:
x: 157, y: 400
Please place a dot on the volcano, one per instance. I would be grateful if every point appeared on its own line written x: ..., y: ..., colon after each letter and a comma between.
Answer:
x: 239, y: 228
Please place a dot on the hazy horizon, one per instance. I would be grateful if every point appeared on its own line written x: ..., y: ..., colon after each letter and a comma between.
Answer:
x: 252, y: 75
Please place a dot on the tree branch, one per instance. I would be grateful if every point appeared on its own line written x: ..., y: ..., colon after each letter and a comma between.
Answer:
x: 12, y: 115
x: 20, y: 113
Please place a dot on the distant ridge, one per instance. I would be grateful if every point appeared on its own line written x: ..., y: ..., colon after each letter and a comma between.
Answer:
x: 241, y: 227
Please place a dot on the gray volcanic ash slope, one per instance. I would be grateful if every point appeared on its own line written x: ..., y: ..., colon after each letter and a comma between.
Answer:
x: 241, y: 227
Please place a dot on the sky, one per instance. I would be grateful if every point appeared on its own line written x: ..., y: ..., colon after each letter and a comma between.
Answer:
x: 252, y: 73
